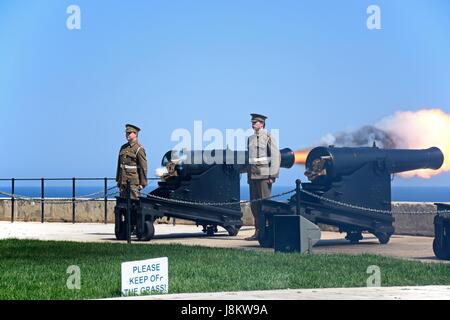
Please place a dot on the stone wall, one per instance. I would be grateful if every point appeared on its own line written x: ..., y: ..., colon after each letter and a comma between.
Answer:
x: 414, y: 218
x: 89, y: 211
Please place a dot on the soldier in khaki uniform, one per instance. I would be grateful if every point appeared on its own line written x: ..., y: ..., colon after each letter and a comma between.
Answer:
x: 132, y: 164
x: 264, y: 160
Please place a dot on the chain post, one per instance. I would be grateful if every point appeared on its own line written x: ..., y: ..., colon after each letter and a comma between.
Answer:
x: 298, y: 185
x: 73, y: 200
x: 42, y: 200
x: 128, y: 211
x: 12, y: 200
x: 106, y: 200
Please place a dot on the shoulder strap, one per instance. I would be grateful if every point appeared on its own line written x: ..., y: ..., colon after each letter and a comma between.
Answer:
x: 140, y: 147
x: 269, y: 153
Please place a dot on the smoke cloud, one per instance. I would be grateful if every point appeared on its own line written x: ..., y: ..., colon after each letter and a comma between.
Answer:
x: 364, y: 137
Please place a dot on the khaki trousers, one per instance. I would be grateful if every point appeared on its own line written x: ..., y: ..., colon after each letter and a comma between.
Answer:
x: 259, y: 188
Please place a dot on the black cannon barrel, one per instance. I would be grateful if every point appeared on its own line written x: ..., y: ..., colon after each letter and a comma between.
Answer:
x: 194, y: 162
x: 346, y: 160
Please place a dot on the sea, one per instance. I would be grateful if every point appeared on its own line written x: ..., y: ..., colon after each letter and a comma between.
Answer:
x: 410, y: 194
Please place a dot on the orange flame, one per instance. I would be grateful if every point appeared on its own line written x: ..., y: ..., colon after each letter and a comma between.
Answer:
x: 300, y: 156
x: 420, y: 130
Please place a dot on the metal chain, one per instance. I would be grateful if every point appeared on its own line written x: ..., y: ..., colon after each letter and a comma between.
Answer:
x: 343, y: 204
x: 218, y: 204
x: 63, y: 200
x: 69, y: 200
x: 98, y: 192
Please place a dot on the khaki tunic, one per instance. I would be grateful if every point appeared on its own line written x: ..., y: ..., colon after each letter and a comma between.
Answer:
x: 264, y: 156
x: 131, y: 165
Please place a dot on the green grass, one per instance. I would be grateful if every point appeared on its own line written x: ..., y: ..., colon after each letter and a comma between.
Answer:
x: 37, y: 269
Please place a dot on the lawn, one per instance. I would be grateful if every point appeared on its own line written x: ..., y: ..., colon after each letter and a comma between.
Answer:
x: 32, y: 269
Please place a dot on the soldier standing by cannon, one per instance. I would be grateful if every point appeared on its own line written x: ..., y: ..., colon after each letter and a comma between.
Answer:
x: 264, y: 160
x: 132, y: 164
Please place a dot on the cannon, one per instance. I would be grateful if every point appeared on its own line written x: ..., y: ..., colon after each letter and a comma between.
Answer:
x: 441, y: 241
x: 201, y: 186
x: 349, y: 188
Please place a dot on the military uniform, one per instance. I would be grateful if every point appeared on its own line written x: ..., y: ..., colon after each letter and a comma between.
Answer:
x: 264, y: 160
x: 132, y: 166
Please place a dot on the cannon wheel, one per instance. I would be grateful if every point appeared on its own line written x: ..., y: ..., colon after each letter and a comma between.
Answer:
x: 383, y: 237
x: 210, y: 230
x: 232, y: 230
x: 354, y: 236
x: 149, y: 231
x: 120, y: 229
x: 442, y: 252
x: 266, y: 240
x: 121, y: 233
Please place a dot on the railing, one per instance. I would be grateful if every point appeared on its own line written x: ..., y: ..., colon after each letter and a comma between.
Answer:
x: 43, y: 199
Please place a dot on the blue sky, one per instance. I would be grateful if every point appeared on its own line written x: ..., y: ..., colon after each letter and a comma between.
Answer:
x: 312, y: 66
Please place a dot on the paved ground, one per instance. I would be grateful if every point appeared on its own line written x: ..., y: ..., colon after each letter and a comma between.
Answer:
x: 380, y: 293
x: 409, y: 247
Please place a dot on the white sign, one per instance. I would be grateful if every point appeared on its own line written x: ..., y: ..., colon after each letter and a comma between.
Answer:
x: 145, y: 276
